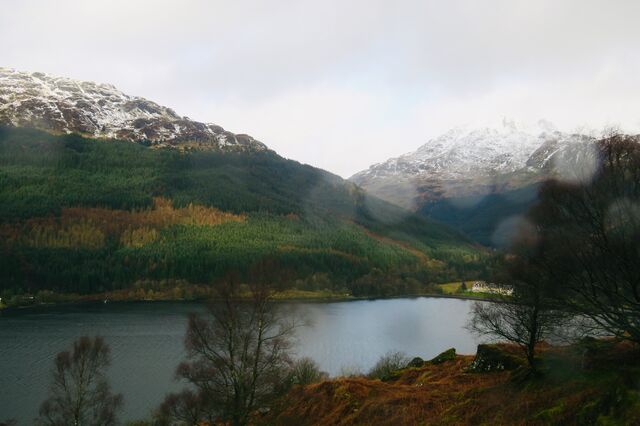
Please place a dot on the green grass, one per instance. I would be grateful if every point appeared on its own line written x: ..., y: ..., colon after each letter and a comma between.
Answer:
x: 453, y: 289
x: 450, y: 288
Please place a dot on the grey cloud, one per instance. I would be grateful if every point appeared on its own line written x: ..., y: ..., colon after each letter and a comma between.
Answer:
x: 362, y: 72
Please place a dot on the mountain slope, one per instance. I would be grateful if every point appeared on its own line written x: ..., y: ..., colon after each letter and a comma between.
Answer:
x: 480, y: 217
x: 100, y: 110
x: 474, y: 179
x: 86, y: 215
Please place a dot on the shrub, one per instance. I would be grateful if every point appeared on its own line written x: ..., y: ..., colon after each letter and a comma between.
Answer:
x: 306, y: 371
x: 387, y: 365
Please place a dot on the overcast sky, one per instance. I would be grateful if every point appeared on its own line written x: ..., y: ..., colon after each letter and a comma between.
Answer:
x: 344, y: 84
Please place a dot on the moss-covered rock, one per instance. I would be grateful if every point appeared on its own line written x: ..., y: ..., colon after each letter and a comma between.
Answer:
x: 416, y: 362
x: 493, y: 358
x: 448, y: 355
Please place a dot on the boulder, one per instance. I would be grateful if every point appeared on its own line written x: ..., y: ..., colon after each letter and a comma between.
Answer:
x: 415, y: 363
x: 448, y: 355
x: 493, y: 358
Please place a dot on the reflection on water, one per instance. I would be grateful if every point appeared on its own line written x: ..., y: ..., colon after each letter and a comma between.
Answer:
x: 146, y: 341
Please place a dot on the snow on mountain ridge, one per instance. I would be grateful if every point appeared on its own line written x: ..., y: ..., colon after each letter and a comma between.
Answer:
x: 464, y: 151
x: 100, y: 110
x: 468, y: 161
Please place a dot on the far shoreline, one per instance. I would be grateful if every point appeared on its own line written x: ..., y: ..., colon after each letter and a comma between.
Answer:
x: 326, y: 299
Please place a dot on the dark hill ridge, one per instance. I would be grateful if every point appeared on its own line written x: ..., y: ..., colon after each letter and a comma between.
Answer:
x: 481, y: 217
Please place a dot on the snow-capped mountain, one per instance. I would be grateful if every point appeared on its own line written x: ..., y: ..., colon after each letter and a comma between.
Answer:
x: 471, y: 161
x: 100, y: 110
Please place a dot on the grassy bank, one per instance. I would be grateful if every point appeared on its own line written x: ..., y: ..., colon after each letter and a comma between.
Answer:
x: 462, y: 290
x: 579, y: 386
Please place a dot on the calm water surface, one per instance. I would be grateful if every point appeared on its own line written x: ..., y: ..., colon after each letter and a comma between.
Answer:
x: 146, y: 342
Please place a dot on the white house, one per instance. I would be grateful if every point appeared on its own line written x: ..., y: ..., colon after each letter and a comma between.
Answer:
x: 484, y: 287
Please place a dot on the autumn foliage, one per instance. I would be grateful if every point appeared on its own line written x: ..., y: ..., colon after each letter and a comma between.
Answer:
x: 85, y: 227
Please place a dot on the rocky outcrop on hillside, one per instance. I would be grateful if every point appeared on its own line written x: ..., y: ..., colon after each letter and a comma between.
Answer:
x: 63, y: 105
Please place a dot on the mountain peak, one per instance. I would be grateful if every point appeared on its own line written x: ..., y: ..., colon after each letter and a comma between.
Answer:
x: 465, y: 150
x: 65, y: 105
x: 466, y: 161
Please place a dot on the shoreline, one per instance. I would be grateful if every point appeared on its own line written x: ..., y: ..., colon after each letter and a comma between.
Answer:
x: 276, y: 299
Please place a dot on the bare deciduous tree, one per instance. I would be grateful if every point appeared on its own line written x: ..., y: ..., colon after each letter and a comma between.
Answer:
x: 528, y: 314
x: 237, y: 360
x: 186, y: 407
x: 515, y: 322
x: 80, y: 393
x: 583, y: 259
x: 594, y: 228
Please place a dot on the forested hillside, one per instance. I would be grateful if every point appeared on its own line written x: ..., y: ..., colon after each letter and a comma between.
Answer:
x: 87, y: 216
x: 480, y: 216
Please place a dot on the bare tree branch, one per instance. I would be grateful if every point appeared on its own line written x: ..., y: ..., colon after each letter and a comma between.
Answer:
x: 80, y: 394
x: 237, y: 359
